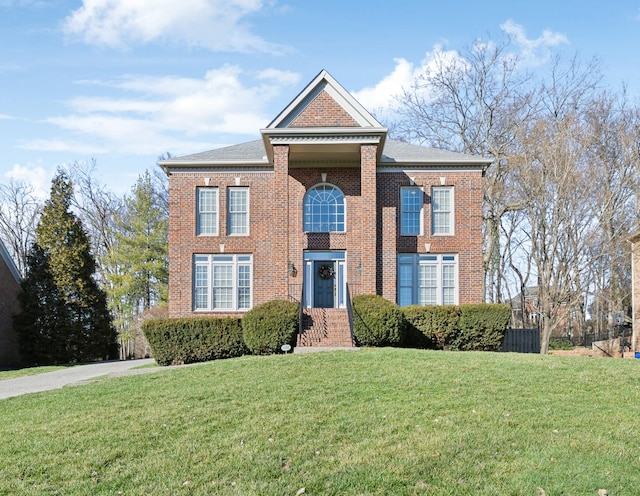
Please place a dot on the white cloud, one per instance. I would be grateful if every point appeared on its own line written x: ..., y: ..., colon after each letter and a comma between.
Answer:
x: 282, y: 77
x: 533, y: 51
x: 382, y: 99
x: 9, y: 67
x: 383, y: 94
x: 35, y: 175
x: 22, y: 3
x: 62, y: 145
x: 84, y: 104
x: 212, y: 24
x: 156, y: 114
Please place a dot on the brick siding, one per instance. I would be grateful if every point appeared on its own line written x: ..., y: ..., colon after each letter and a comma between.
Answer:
x: 276, y: 238
x: 9, y: 289
x: 324, y: 111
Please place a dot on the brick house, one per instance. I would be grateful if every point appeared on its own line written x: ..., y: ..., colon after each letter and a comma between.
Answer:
x: 321, y: 208
x: 9, y: 289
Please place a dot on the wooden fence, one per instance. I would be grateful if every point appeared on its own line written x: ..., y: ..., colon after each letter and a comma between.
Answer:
x: 522, y: 341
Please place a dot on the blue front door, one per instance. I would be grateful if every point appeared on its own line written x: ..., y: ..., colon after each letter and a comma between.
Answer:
x: 324, y: 284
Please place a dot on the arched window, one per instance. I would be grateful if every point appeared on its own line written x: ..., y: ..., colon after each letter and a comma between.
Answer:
x: 324, y: 209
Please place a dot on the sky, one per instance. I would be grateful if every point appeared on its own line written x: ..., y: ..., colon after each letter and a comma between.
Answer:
x: 122, y: 82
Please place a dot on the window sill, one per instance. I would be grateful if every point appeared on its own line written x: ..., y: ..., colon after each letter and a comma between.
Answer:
x: 203, y: 310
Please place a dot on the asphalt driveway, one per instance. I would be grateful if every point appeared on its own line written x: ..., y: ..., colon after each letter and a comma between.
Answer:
x: 71, y: 375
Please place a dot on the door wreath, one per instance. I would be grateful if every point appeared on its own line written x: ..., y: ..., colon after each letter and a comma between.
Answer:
x: 325, y: 271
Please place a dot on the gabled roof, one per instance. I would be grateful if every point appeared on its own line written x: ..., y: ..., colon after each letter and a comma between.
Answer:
x: 4, y: 255
x: 324, y: 82
x: 401, y: 153
x: 322, y: 114
x: 324, y: 122
x: 394, y: 153
x: 249, y: 153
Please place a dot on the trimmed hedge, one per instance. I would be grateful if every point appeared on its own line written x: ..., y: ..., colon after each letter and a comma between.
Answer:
x: 267, y: 327
x: 191, y: 340
x: 431, y: 327
x: 377, y: 321
x: 478, y: 327
x: 482, y: 327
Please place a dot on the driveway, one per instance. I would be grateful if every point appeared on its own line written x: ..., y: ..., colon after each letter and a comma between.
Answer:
x: 71, y: 375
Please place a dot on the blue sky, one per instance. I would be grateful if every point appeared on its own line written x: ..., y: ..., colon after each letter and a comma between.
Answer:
x: 123, y: 81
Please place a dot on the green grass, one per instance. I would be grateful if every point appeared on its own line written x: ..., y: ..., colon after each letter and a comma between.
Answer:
x: 373, y: 422
x: 12, y: 374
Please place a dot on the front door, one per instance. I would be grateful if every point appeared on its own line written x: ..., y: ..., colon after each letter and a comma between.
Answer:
x: 324, y: 284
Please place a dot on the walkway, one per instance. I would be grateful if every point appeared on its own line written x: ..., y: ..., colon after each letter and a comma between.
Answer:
x: 71, y: 375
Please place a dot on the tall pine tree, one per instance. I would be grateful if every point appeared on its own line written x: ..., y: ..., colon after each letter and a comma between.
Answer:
x: 138, y: 258
x: 64, y: 316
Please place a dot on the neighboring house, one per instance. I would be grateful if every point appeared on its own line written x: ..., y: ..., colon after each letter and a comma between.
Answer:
x: 569, y: 321
x: 321, y: 208
x: 527, y: 299
x: 9, y: 289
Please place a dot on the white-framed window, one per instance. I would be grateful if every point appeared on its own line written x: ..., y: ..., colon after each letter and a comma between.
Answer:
x: 324, y: 209
x: 411, y: 204
x: 222, y: 282
x: 207, y: 211
x: 238, y: 211
x: 427, y: 279
x: 442, y: 210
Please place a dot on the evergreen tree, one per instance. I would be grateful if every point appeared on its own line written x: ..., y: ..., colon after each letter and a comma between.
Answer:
x: 138, y: 260
x: 64, y: 316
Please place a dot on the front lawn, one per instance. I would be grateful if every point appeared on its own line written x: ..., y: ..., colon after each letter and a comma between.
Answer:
x: 377, y: 421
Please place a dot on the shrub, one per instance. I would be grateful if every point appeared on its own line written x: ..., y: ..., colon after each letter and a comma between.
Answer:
x: 482, y: 327
x: 560, y: 344
x: 434, y: 327
x: 190, y: 340
x: 268, y: 326
x: 377, y: 322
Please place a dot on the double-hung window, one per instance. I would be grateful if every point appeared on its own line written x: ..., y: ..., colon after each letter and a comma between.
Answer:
x: 411, y: 202
x: 207, y: 211
x: 222, y: 282
x: 442, y: 210
x: 426, y: 279
x: 238, y: 211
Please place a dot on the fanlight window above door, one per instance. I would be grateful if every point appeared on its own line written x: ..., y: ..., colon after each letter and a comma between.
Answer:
x: 324, y: 209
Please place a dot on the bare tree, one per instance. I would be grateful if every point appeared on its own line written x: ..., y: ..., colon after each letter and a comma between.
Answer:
x: 474, y: 104
x: 161, y: 184
x: 555, y: 180
x: 98, y: 209
x: 614, y: 162
x: 517, y: 268
x: 19, y: 213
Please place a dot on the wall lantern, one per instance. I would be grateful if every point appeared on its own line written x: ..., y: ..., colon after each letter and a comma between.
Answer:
x: 291, y: 269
